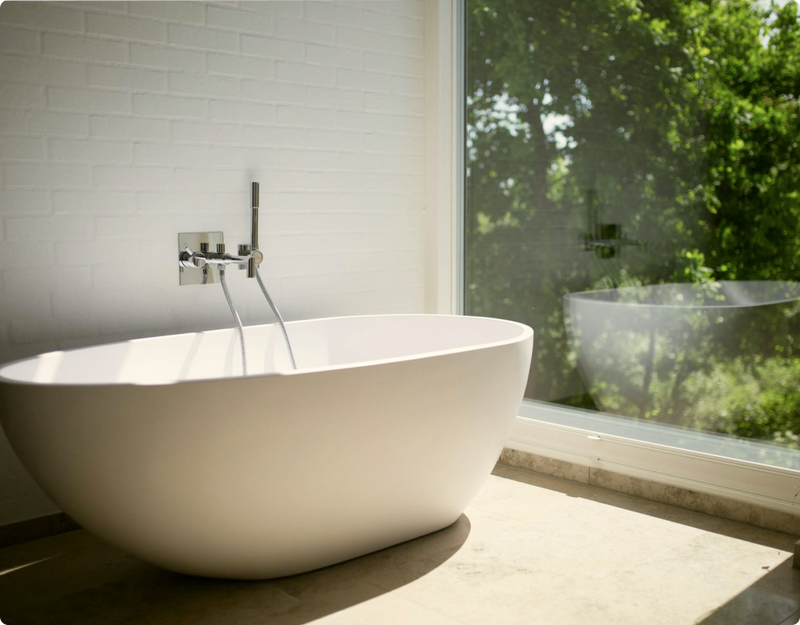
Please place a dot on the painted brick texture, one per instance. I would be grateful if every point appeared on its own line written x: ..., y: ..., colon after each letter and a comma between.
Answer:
x: 122, y: 124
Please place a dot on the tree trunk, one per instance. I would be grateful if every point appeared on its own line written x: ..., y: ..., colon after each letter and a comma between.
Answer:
x: 541, y: 160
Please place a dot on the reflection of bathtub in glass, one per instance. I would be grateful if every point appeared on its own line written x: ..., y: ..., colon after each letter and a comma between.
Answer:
x: 637, y: 347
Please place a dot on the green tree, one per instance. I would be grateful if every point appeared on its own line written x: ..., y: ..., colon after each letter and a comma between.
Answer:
x: 676, y: 119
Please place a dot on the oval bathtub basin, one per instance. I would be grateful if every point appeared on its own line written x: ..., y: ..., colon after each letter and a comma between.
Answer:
x: 637, y: 347
x: 159, y: 446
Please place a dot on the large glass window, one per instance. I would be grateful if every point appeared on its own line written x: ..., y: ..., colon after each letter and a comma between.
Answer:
x: 633, y: 194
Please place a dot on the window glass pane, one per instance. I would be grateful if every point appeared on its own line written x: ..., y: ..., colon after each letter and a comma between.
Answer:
x: 633, y: 194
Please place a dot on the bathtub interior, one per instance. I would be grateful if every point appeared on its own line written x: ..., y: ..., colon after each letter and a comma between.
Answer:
x: 724, y: 294
x: 318, y: 344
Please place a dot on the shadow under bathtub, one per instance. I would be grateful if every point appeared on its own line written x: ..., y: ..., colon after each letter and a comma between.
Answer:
x: 77, y: 579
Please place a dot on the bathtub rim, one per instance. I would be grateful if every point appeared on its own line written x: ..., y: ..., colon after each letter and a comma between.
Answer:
x: 526, y: 333
x: 579, y: 296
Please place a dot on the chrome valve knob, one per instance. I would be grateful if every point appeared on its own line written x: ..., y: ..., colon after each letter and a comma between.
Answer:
x: 189, y: 258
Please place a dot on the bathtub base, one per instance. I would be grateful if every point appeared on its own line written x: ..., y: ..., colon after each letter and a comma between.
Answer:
x: 304, y: 563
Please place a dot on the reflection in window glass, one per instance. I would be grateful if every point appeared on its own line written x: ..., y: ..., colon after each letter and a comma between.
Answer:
x: 633, y: 194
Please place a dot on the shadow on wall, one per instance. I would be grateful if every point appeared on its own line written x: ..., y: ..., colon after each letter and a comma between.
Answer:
x: 75, y: 578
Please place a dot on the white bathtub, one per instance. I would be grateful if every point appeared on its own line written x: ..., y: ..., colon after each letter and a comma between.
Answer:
x: 385, y: 433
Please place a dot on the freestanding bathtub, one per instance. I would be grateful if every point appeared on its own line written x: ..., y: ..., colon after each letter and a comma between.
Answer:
x: 385, y: 433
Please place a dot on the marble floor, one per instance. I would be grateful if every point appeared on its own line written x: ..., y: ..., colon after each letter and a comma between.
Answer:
x: 531, y: 549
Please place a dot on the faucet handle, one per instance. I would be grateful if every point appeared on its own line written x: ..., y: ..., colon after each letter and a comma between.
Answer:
x: 190, y: 258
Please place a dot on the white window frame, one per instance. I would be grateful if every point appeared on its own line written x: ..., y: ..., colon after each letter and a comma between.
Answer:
x: 444, y: 140
x: 586, y: 442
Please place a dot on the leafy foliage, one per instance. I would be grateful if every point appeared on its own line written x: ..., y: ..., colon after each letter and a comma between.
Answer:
x: 678, y: 120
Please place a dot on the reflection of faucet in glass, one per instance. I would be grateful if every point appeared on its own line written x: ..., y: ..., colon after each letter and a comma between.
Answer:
x: 606, y: 239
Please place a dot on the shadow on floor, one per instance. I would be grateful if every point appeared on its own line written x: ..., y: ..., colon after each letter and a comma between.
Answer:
x: 772, y: 600
x: 34, y: 529
x: 76, y: 579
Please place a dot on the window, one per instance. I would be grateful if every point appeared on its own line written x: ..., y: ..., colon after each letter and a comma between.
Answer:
x: 633, y: 194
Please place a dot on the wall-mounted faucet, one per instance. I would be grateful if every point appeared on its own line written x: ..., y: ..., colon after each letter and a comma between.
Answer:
x: 212, y: 266
x: 249, y: 257
x: 205, y: 259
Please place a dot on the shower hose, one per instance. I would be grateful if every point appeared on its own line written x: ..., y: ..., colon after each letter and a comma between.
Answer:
x: 278, y: 317
x: 238, y: 319
x: 235, y: 314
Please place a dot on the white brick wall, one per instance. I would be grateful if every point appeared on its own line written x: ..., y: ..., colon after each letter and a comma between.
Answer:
x: 124, y: 123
